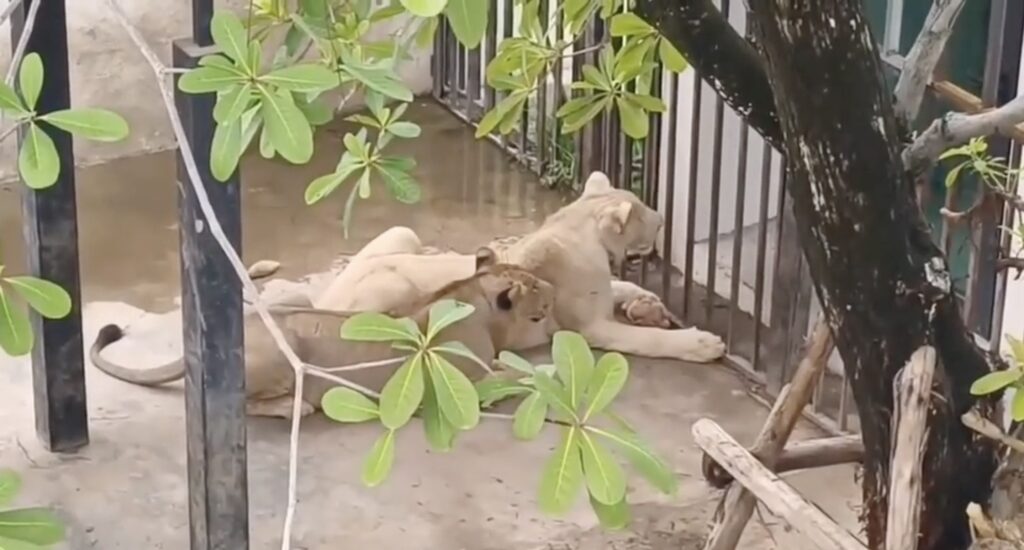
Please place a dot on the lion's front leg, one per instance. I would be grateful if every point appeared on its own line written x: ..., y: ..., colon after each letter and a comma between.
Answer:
x: 690, y: 344
x: 642, y: 307
x: 278, y: 407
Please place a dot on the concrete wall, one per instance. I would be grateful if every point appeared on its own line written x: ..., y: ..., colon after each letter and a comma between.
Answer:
x: 107, y: 71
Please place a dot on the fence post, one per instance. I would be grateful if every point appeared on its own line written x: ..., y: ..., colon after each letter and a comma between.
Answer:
x: 211, y: 308
x: 51, y: 241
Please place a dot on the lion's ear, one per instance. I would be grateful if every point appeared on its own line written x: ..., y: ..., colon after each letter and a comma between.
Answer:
x: 507, y: 298
x: 597, y: 184
x: 615, y: 217
x: 485, y: 258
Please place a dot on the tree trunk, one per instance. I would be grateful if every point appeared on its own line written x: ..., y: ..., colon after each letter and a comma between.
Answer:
x: 881, y: 280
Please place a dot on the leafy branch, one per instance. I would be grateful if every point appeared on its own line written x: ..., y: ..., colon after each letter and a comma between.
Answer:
x: 28, y: 528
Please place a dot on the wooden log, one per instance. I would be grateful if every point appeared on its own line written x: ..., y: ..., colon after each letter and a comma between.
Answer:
x: 800, y: 455
x: 913, y: 394
x: 739, y: 504
x: 781, y: 499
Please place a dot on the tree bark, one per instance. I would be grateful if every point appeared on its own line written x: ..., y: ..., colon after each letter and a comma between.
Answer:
x: 881, y: 280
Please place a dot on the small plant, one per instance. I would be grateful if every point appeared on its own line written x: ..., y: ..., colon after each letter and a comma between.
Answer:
x: 1012, y: 377
x: 574, y: 394
x: 25, y: 528
x: 48, y: 299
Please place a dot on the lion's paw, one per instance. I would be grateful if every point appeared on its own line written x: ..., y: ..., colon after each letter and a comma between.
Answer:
x: 649, y: 311
x: 701, y: 346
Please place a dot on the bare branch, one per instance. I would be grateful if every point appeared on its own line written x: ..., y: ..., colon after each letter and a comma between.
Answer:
x: 987, y: 428
x: 955, y: 129
x: 923, y: 57
x: 26, y: 32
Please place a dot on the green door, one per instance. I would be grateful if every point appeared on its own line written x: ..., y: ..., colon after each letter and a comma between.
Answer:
x: 963, y: 64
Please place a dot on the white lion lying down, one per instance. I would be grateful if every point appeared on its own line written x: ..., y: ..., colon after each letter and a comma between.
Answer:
x: 571, y: 250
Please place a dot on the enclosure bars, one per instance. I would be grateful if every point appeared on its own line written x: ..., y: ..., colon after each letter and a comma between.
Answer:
x: 212, y: 338
x: 51, y: 243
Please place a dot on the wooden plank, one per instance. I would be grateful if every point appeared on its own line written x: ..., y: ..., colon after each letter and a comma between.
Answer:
x: 739, y: 505
x: 51, y: 242
x: 913, y: 394
x: 781, y: 499
x: 800, y: 455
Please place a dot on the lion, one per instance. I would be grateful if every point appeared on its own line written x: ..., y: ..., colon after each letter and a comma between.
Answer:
x: 505, y: 298
x: 575, y: 249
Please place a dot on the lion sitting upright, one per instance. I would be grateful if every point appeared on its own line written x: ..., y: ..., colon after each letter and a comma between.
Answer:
x: 571, y: 250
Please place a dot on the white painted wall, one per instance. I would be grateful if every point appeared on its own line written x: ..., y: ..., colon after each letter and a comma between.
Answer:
x: 107, y: 71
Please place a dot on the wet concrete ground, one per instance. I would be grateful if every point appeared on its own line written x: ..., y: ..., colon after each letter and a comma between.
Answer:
x: 127, y: 489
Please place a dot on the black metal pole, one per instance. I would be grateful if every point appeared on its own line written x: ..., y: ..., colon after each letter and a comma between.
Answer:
x: 212, y: 331
x: 51, y: 240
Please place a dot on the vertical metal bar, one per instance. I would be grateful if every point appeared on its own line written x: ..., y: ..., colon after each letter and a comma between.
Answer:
x: 670, y: 188
x: 558, y: 97
x: 202, y: 13
x: 716, y: 192
x: 893, y: 26
x: 1005, y: 241
x: 474, y: 93
x: 490, y: 49
x: 691, y: 199
x: 651, y: 164
x: 762, y: 249
x: 508, y: 22
x: 576, y: 63
x: 211, y: 308
x: 437, y: 63
x: 541, y: 123
x: 51, y: 243
x: 737, y: 239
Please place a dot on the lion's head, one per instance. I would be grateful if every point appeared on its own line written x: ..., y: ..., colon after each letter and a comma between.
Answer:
x: 628, y: 227
x: 512, y: 289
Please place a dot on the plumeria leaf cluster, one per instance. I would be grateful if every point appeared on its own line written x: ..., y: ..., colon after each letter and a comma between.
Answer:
x: 1010, y: 378
x: 38, y: 161
x: 574, y: 394
x: 46, y: 298
x: 25, y: 528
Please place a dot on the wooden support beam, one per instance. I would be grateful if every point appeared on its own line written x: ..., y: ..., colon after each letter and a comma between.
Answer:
x: 740, y: 503
x: 211, y: 309
x: 913, y: 398
x: 51, y: 241
x: 780, y: 499
x: 800, y: 455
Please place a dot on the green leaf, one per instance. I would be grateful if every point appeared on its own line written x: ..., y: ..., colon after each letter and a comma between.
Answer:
x: 952, y: 175
x: 226, y: 149
x: 506, y: 109
x: 628, y: 24
x: 308, y: 77
x: 378, y: 463
x: 614, y: 517
x: 424, y: 8
x: 582, y: 113
x: 370, y: 326
x: 646, y: 102
x: 37, y: 526
x: 10, y: 102
x: 460, y: 349
x: 386, y: 12
x: 553, y: 393
x: 439, y: 432
x: 324, y: 185
x: 1016, y: 348
x: 656, y: 472
x: 230, y: 36
x: 670, y: 56
x: 10, y: 484
x: 49, y: 299
x: 513, y: 361
x: 404, y: 129
x: 38, y: 162
x: 445, y: 313
x: 364, y: 185
x: 345, y: 405
x: 575, y: 363
x: 232, y: 103
x: 379, y: 78
x: 606, y: 383
x: 400, y: 183
x: 425, y: 34
x: 634, y: 120
x: 30, y: 79
x: 563, y: 476
x: 493, y: 389
x: 456, y: 395
x: 1017, y: 407
x: 529, y: 417
x: 605, y: 480
x: 468, y: 19
x: 202, y: 80
x: 95, y: 124
x: 286, y: 127
x: 995, y: 381
x: 402, y: 394
x: 316, y: 112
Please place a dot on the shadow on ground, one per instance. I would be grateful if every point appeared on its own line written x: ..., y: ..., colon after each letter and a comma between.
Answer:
x: 127, y: 490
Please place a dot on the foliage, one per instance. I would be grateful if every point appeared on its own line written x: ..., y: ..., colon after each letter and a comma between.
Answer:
x: 1013, y: 377
x: 25, y: 528
x: 48, y: 299
x: 38, y: 162
x: 575, y: 394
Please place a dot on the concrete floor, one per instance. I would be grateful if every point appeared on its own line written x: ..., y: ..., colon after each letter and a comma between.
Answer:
x: 126, y: 490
